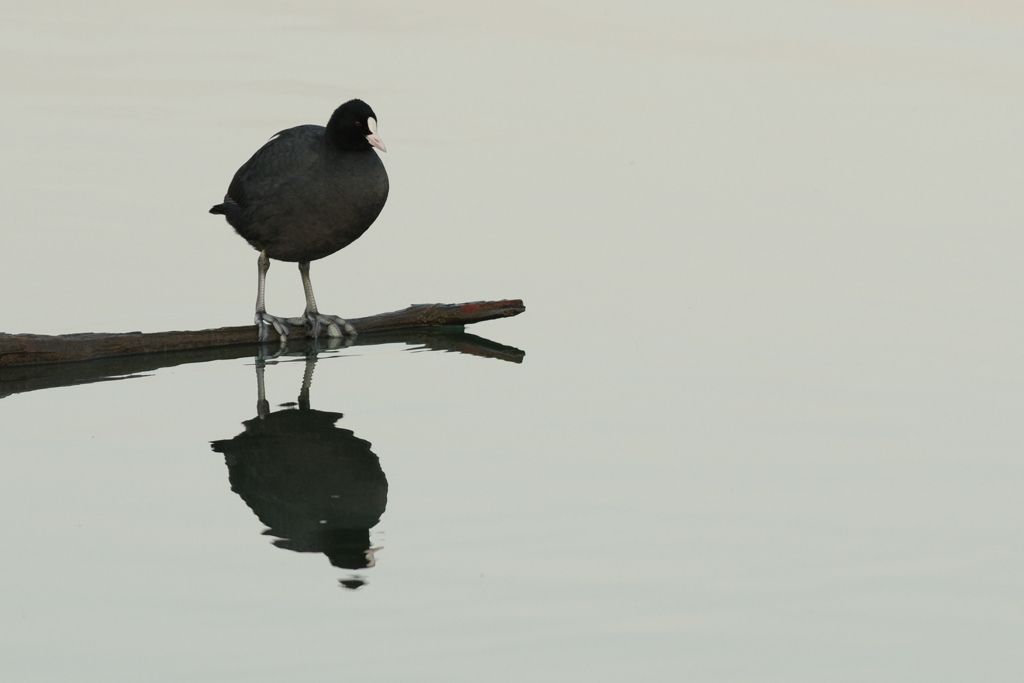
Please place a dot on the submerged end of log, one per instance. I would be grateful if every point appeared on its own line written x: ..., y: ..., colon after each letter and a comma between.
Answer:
x: 24, y: 349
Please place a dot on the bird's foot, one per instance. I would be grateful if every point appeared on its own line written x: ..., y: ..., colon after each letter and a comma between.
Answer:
x: 265, y: 321
x: 315, y: 323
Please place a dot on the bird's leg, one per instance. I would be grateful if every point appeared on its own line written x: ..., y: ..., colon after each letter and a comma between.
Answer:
x: 311, y: 314
x: 264, y: 321
x: 336, y: 327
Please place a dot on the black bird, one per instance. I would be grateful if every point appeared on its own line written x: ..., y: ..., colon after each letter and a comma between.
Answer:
x: 304, y: 195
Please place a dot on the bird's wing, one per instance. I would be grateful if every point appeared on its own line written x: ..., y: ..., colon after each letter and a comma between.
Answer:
x: 275, y: 165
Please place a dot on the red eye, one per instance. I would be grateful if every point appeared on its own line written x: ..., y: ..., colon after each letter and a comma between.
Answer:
x: 358, y: 123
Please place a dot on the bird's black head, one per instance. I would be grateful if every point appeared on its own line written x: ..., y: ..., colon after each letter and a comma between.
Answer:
x: 353, y: 127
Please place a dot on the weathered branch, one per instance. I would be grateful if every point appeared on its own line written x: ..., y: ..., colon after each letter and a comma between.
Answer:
x: 16, y: 379
x: 23, y: 349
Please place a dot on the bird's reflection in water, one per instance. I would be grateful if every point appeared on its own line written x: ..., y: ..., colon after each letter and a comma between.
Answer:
x: 317, y: 487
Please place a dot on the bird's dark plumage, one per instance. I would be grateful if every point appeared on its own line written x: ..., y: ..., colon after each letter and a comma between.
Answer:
x: 311, y: 190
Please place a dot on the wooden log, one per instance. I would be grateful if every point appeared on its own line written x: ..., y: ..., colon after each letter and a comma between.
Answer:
x: 22, y: 349
x: 16, y: 379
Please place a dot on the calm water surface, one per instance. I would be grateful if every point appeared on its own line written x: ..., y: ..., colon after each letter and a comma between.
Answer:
x: 766, y: 427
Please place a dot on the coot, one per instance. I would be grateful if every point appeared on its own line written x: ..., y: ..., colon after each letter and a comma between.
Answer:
x: 304, y: 195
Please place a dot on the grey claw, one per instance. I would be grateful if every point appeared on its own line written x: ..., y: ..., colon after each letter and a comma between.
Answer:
x: 338, y: 327
x: 262, y: 328
x: 264, y: 321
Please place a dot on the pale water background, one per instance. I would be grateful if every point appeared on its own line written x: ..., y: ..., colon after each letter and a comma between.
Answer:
x: 767, y: 427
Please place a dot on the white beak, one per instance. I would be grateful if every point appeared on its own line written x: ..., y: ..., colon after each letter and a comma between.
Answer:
x: 375, y: 140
